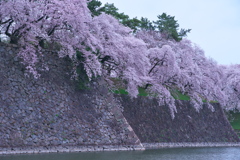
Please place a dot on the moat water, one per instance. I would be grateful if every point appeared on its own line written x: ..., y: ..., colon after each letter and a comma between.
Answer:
x: 221, y: 153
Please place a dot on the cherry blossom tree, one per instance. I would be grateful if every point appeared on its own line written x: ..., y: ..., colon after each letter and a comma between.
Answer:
x: 182, y: 66
x: 32, y: 23
x: 201, y: 78
x: 231, y: 86
x: 145, y: 58
x: 106, y: 46
x: 121, y: 54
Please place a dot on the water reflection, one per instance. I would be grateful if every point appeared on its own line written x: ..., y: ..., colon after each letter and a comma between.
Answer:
x: 230, y: 153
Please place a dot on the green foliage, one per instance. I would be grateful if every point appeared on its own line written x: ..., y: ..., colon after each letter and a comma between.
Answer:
x: 112, y: 10
x: 95, y: 7
x: 178, y: 95
x: 165, y: 24
x: 123, y: 18
x: 120, y: 91
x: 82, y: 80
x: 132, y: 23
x: 146, y: 24
x: 168, y: 25
x: 50, y: 45
x: 204, y: 100
x: 234, y: 119
x: 213, y: 101
x: 142, y: 92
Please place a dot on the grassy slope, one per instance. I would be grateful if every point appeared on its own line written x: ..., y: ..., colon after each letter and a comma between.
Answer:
x: 235, y: 120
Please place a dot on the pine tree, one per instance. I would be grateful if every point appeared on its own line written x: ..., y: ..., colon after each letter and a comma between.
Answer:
x: 167, y: 24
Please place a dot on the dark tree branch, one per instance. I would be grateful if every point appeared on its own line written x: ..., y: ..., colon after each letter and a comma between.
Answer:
x: 17, y: 31
x: 52, y: 30
x: 153, y: 67
x: 105, y: 58
x: 40, y: 18
x: 146, y: 86
x: 5, y: 21
x: 7, y: 30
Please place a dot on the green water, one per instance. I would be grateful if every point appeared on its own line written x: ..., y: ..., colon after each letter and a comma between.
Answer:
x: 224, y: 153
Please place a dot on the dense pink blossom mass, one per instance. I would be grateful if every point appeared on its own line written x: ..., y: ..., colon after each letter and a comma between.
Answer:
x: 145, y: 59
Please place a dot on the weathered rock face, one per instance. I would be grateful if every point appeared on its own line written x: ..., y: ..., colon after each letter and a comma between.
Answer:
x: 153, y: 123
x: 51, y: 111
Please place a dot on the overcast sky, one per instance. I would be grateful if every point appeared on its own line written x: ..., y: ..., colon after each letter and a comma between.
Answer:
x: 215, y: 24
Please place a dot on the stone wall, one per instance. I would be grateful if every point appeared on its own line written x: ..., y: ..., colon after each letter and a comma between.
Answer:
x: 51, y: 111
x: 153, y: 124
